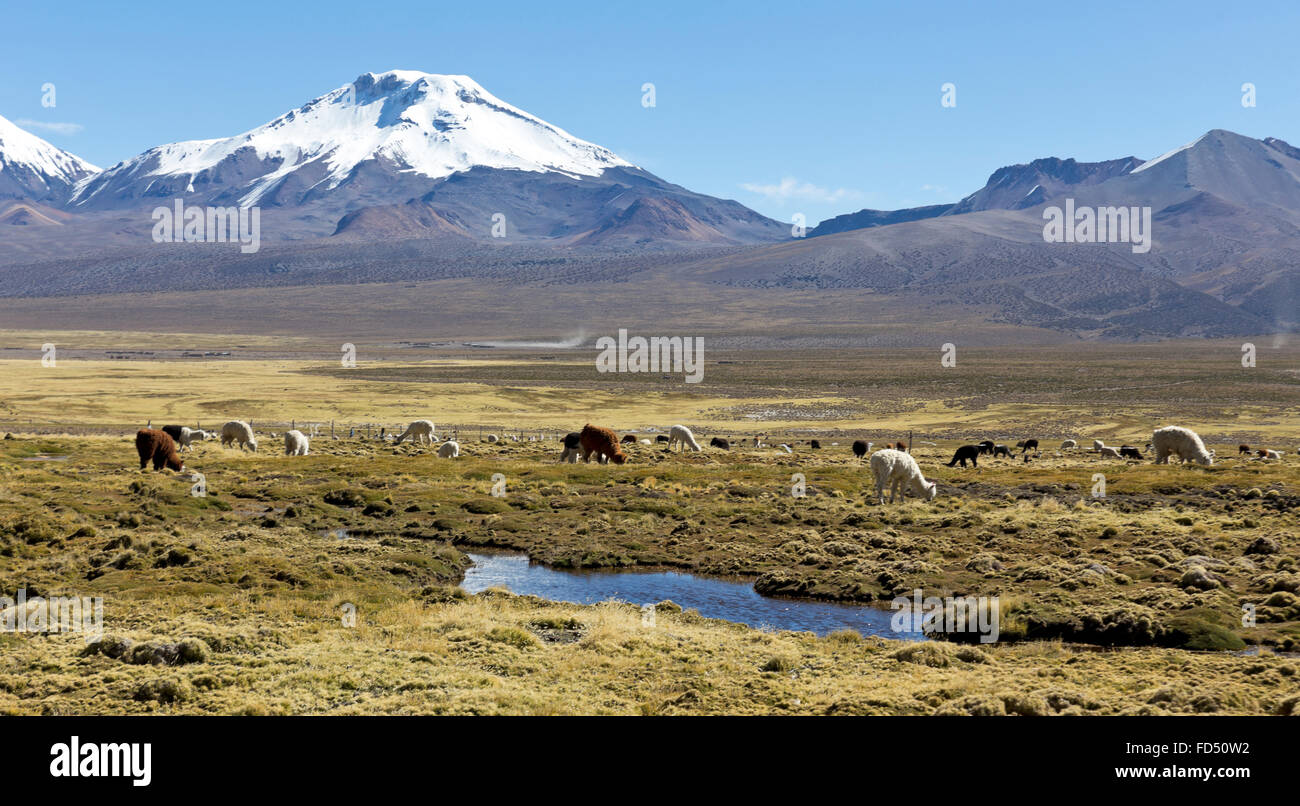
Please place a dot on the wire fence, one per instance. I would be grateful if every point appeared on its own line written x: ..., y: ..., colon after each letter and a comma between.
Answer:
x: 326, y: 429
x: 459, y: 432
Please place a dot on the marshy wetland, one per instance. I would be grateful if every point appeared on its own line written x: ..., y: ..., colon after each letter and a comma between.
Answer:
x: 330, y: 583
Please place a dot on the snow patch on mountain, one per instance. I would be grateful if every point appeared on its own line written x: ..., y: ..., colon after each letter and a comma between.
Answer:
x: 413, y: 122
x: 35, y: 164
x: 1169, y: 154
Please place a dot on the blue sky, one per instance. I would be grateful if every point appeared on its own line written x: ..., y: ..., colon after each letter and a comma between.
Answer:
x: 815, y: 108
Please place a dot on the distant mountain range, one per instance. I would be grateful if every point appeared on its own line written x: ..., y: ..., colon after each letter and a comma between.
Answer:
x: 1015, y: 187
x: 1226, y: 228
x: 403, y: 172
x: 397, y: 154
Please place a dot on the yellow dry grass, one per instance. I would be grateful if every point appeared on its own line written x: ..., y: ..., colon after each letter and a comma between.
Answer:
x: 79, y: 392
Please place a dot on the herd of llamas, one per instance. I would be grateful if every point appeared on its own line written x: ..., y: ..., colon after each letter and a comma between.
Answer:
x: 891, y: 466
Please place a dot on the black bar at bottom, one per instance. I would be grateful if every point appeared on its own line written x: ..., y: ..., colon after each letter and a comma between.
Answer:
x: 330, y: 755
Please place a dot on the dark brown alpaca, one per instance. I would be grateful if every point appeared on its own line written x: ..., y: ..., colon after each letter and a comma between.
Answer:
x: 570, y: 452
x: 602, y: 442
x: 157, y: 445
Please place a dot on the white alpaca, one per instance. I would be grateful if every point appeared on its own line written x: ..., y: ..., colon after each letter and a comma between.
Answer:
x: 1069, y: 443
x: 1097, y: 445
x: 238, y: 431
x: 644, y: 442
x: 295, y: 443
x: 1108, y: 452
x: 896, y: 468
x: 449, y: 450
x: 681, y: 435
x: 1272, y: 454
x: 420, y: 431
x: 189, y: 435
x: 1173, y: 439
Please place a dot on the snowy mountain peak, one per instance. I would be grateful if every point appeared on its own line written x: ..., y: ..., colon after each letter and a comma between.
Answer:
x: 33, y: 168
x: 1168, y: 154
x: 1230, y: 167
x: 405, y: 122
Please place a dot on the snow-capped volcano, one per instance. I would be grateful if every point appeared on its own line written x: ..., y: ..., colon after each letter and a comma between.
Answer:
x: 31, y: 168
x: 402, y: 122
x: 411, y: 154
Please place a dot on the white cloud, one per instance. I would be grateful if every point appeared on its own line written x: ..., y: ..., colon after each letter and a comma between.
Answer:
x: 790, y: 189
x: 57, y: 128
